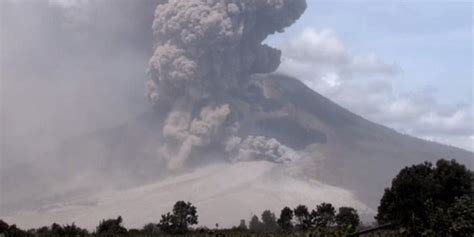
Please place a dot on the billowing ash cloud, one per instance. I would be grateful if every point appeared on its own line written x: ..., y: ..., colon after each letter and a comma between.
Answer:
x: 183, y: 133
x: 203, y: 44
x: 203, y: 49
x: 259, y: 147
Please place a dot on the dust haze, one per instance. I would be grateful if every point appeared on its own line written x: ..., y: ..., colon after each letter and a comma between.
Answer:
x: 73, y: 71
x: 66, y: 70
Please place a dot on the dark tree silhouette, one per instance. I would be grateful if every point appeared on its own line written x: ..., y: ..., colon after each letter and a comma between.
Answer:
x: 461, y: 217
x: 242, y: 225
x: 324, y: 215
x: 420, y: 196
x: 111, y: 227
x: 269, y: 221
x: 184, y: 215
x: 451, y: 180
x: 285, y: 220
x: 3, y: 226
x: 303, y: 217
x: 150, y: 228
x: 255, y: 224
x: 73, y: 230
x: 347, y: 218
x: 43, y: 231
x: 14, y: 231
x: 57, y: 230
x: 166, y: 223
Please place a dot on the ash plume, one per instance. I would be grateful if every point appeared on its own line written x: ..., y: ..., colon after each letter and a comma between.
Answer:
x: 204, y: 49
x: 258, y: 148
x: 186, y: 133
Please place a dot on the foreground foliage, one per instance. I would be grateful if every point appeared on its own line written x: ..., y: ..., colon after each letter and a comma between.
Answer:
x: 427, y: 200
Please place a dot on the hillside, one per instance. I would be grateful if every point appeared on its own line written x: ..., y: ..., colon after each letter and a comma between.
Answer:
x: 340, y: 157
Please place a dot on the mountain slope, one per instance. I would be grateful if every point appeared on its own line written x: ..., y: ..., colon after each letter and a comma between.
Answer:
x: 358, y: 154
x: 222, y: 193
x: 335, y: 148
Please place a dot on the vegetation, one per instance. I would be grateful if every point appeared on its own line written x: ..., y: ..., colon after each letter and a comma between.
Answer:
x: 303, y: 218
x: 423, y: 200
x: 285, y: 221
x: 269, y: 221
x: 427, y: 200
x: 111, y: 227
x: 347, y: 218
x: 255, y: 225
x: 324, y: 215
x: 184, y: 215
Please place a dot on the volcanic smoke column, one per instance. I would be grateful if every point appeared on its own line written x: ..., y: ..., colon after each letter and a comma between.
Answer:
x: 204, y: 47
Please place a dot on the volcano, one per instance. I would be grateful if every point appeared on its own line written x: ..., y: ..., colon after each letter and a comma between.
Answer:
x: 339, y: 157
x: 221, y: 131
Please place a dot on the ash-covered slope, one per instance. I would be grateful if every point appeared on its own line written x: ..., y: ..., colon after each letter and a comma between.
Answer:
x: 355, y: 153
x: 222, y: 193
x: 346, y: 150
x: 337, y: 157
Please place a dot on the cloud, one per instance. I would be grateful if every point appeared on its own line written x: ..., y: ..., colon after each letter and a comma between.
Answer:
x: 325, y: 51
x: 323, y: 47
x: 364, y: 84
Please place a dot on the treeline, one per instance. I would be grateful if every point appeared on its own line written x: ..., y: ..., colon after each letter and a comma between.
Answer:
x: 423, y: 200
x: 323, y: 219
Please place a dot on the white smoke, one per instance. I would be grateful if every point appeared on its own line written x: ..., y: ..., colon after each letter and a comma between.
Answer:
x: 203, y: 49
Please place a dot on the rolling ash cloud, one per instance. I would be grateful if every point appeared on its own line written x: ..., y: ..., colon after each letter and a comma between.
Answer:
x: 203, y: 50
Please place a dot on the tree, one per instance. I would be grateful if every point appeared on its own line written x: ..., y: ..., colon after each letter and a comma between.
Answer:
x: 3, y: 227
x: 14, y: 231
x: 57, y: 230
x: 255, y: 224
x: 420, y: 195
x: 111, y: 227
x: 166, y: 223
x: 303, y: 217
x: 269, y: 221
x: 285, y: 220
x: 347, y: 218
x: 462, y: 217
x: 184, y: 215
x: 451, y: 180
x: 73, y: 230
x: 150, y: 228
x: 324, y: 215
x: 43, y: 231
x: 242, y: 225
